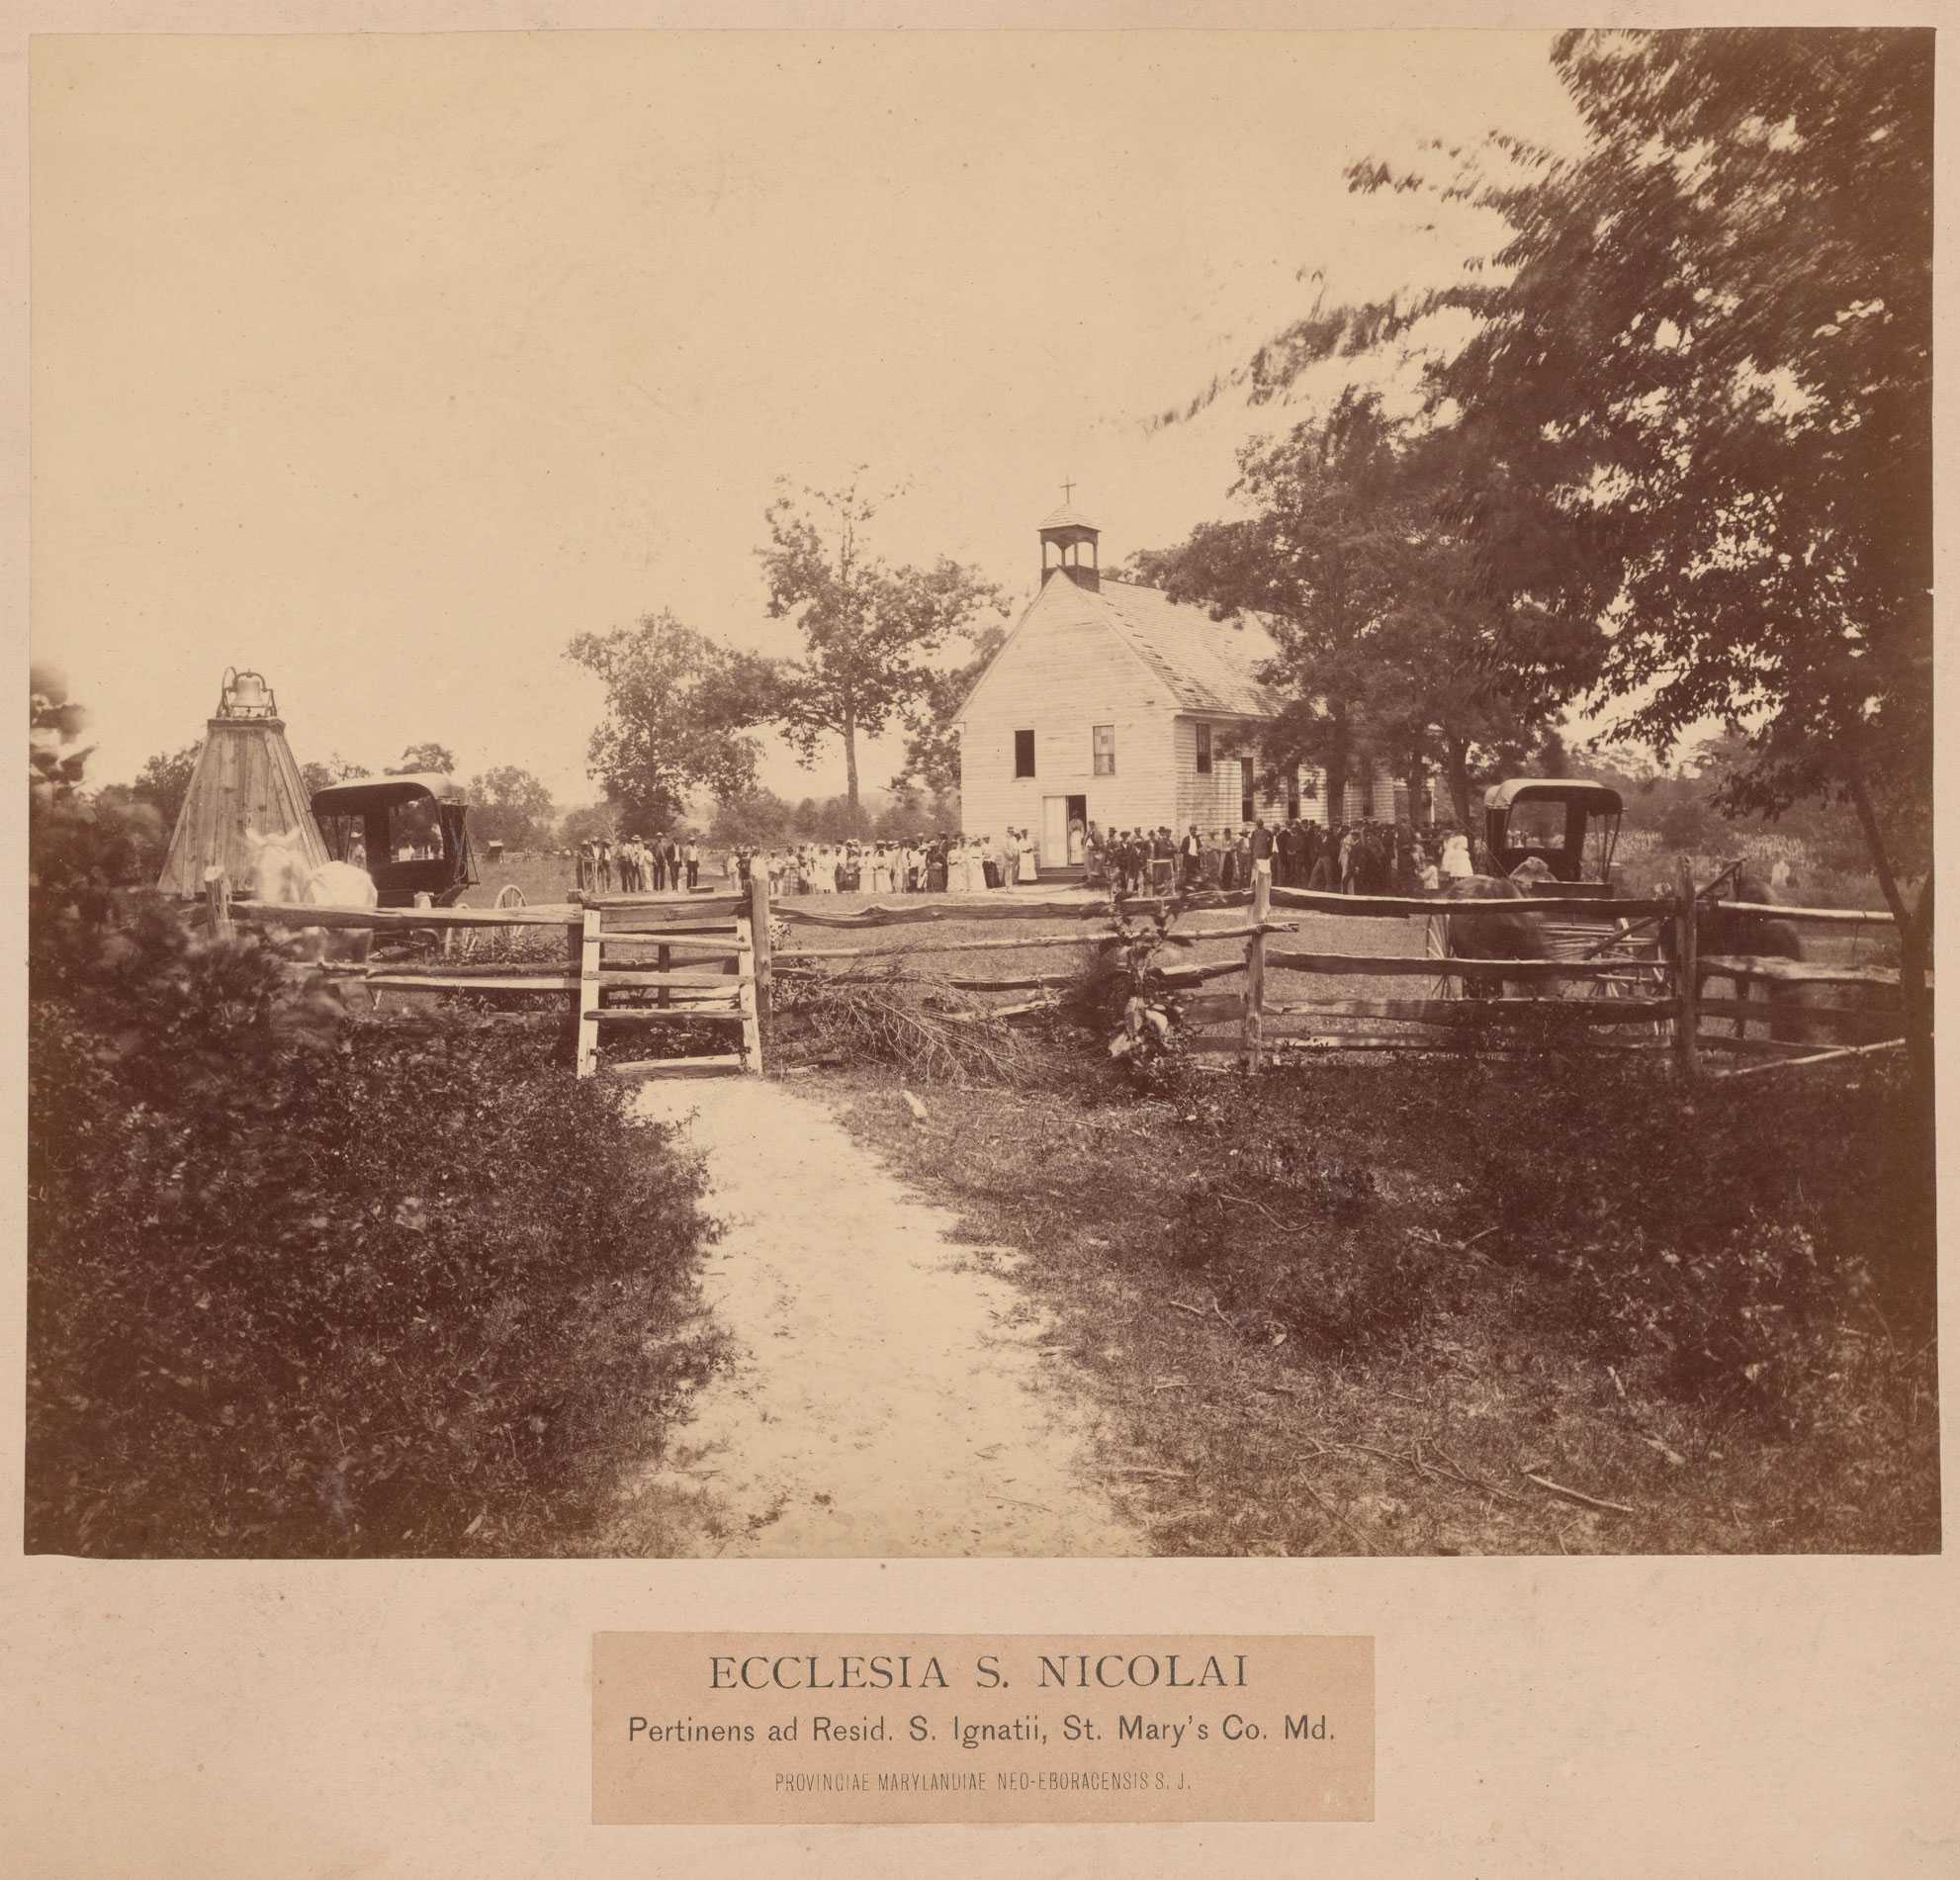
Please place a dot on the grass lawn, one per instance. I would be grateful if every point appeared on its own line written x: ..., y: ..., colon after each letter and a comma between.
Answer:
x: 1377, y: 1371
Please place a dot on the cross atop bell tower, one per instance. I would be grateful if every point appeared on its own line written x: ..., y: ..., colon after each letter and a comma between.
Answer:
x: 1068, y: 533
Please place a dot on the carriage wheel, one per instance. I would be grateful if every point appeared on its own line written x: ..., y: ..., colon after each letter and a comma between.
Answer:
x: 1436, y: 946
x: 1643, y: 976
x: 497, y: 940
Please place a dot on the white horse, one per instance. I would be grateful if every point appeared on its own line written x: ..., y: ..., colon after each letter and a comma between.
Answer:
x: 282, y: 874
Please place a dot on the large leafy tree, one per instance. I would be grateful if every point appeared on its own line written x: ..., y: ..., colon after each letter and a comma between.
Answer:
x: 587, y: 821
x: 870, y: 629
x: 931, y: 744
x: 760, y: 816
x: 1319, y: 557
x: 507, y: 804
x: 1698, y: 376
x: 677, y: 711
x: 1352, y: 555
x: 84, y: 852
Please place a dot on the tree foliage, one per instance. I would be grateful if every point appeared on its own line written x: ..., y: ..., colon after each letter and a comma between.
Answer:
x: 427, y: 756
x: 83, y: 852
x: 1700, y: 377
x: 509, y: 805
x: 1697, y: 383
x: 335, y: 769
x: 869, y: 628
x: 165, y: 780
x: 1353, y: 556
x: 679, y: 707
x: 588, y: 821
x: 931, y: 744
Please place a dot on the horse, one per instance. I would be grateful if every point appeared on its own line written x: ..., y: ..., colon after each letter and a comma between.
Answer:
x: 1485, y: 931
x: 1719, y: 930
x: 282, y: 874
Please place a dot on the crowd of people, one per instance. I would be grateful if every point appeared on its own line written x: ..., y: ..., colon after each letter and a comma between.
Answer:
x: 918, y: 865
x: 633, y: 864
x: 1360, y: 857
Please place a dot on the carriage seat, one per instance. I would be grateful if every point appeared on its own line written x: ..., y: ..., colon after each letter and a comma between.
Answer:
x: 397, y: 883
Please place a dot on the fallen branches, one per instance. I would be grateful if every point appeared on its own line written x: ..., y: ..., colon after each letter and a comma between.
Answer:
x: 1575, y: 1495
x: 919, y: 1025
x: 1245, y: 1200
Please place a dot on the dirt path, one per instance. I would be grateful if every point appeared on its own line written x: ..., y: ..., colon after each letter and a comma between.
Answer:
x: 890, y: 1394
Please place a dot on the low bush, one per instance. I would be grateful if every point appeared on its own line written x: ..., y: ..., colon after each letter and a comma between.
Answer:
x: 1291, y: 1231
x: 302, y: 1283
x: 1719, y: 1243
x: 1721, y: 1238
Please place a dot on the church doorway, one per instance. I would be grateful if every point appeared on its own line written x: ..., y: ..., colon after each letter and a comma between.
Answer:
x: 1064, y: 819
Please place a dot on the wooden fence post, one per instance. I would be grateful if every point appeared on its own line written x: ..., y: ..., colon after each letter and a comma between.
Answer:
x: 1688, y: 1018
x: 1255, y: 967
x: 218, y: 902
x: 758, y: 955
x: 588, y: 995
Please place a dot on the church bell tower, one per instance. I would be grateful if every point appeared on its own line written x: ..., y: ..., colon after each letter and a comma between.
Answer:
x: 1069, y: 544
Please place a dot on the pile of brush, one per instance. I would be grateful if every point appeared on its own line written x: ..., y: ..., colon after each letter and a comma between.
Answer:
x: 894, y: 1013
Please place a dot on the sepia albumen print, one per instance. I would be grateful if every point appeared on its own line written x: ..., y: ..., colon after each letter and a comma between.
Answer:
x: 952, y: 795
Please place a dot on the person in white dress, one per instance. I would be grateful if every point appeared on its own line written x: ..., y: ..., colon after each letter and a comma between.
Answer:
x: 1456, y: 862
x: 1024, y: 874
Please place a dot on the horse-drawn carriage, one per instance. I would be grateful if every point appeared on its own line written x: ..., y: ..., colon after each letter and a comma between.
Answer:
x: 1552, y: 837
x: 1554, y: 829
x: 409, y: 832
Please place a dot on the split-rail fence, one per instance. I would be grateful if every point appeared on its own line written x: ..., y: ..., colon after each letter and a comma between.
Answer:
x: 1626, y: 965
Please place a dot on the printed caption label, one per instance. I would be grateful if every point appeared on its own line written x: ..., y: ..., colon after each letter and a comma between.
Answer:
x: 754, y: 1728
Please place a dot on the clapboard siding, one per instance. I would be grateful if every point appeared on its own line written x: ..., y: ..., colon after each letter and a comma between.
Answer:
x: 1066, y: 668
x: 1063, y: 673
x: 1213, y: 802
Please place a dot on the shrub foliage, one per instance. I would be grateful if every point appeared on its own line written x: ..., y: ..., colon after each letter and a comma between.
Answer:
x: 1719, y: 1243
x: 307, y: 1283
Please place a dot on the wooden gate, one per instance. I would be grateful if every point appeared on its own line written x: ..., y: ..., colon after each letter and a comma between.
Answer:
x: 697, y: 958
x: 619, y: 944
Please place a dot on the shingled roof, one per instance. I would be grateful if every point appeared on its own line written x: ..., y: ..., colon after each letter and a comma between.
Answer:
x: 1068, y: 516
x: 1208, y: 665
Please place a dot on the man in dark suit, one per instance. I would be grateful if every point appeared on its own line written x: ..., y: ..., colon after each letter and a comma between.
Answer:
x: 1286, y: 843
x: 1262, y: 847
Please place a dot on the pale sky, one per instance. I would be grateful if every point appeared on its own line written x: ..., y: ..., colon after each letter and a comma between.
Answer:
x: 386, y: 364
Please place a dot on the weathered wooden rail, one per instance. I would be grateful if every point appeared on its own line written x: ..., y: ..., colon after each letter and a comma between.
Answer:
x: 617, y: 945
x: 1596, y: 986
x: 707, y: 959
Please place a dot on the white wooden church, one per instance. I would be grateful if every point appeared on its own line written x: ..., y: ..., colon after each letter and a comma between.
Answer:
x: 1111, y: 703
